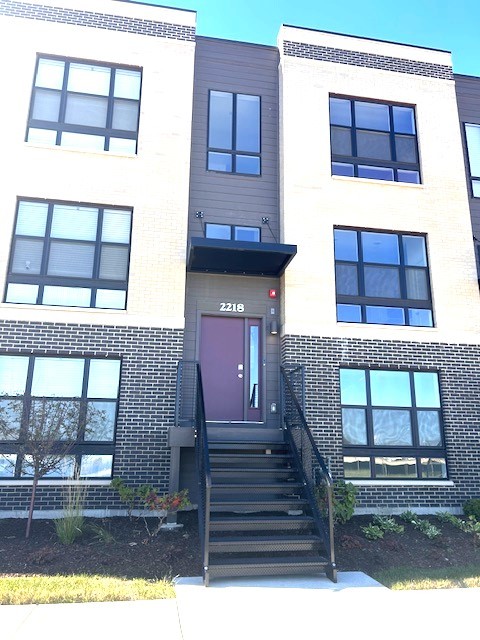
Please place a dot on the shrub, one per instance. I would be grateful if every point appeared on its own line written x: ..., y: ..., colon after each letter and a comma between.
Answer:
x: 373, y: 532
x: 344, y: 501
x: 472, y: 508
x: 449, y: 518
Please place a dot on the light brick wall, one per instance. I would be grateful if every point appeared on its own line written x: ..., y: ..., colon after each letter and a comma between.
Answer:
x: 314, y: 201
x: 154, y: 183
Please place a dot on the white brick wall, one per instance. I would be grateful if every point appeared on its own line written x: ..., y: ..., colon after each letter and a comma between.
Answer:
x: 154, y: 183
x: 313, y: 201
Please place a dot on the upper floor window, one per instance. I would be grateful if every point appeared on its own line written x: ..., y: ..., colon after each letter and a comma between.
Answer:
x: 234, y: 133
x: 472, y: 133
x: 85, y: 105
x: 232, y: 232
x: 382, y: 278
x: 69, y: 255
x: 373, y: 140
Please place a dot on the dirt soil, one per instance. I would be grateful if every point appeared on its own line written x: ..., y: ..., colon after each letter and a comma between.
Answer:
x: 133, y: 553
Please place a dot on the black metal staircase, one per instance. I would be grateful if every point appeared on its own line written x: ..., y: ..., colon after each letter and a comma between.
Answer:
x: 258, y: 512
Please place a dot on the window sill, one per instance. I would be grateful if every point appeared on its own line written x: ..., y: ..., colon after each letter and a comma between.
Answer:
x: 401, y: 483
x: 45, y: 307
x: 408, y: 185
x: 386, y: 327
x: 97, y: 152
x: 54, y: 483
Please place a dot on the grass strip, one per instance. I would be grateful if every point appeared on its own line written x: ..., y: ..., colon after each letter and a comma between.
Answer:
x: 413, y: 578
x: 38, y: 589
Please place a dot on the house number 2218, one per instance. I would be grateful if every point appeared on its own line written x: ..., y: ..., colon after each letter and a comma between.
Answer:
x: 239, y: 307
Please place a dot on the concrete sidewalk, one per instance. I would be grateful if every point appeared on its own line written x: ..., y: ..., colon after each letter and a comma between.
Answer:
x: 263, y: 608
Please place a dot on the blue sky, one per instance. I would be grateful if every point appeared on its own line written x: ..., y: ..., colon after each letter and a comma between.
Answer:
x: 441, y: 24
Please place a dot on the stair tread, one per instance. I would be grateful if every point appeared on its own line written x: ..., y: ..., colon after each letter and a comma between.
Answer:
x: 254, y: 539
x: 268, y: 470
x: 257, y: 518
x: 287, y: 561
x: 258, y: 485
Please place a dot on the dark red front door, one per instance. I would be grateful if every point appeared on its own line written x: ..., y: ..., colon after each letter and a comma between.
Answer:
x: 230, y: 362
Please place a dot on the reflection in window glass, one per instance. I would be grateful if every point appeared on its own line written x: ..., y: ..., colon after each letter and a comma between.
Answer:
x: 340, y: 112
x: 218, y: 231
x: 395, y: 468
x: 429, y: 434
x: 345, y: 245
x: 349, y: 313
x: 354, y: 426
x: 384, y: 315
x: 356, y: 467
x: 427, y: 393
x: 353, y: 386
x: 248, y: 123
x: 434, y: 468
x: 13, y: 373
x: 7, y: 465
x: 96, y: 466
x: 391, y: 428
x: 58, y: 377
x: 100, y: 422
x: 104, y: 378
x: 380, y: 248
x: 247, y: 234
x: 11, y: 410
x: 375, y: 173
x: 370, y: 115
x: 390, y: 388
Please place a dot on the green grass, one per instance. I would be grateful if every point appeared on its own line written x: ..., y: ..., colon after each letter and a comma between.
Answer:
x: 36, y: 589
x: 411, y: 578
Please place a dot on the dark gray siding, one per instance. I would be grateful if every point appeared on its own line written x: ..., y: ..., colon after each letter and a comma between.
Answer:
x: 468, y: 99
x: 226, y: 198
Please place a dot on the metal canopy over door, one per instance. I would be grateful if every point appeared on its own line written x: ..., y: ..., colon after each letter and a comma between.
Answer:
x: 230, y: 358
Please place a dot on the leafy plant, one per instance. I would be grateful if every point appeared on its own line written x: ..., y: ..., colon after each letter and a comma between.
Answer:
x: 472, y: 508
x: 387, y: 524
x: 409, y: 517
x: 343, y: 499
x: 162, y: 505
x: 127, y: 494
x: 101, y: 534
x: 421, y: 524
x: 472, y: 526
x: 449, y: 518
x: 70, y: 525
x: 373, y: 532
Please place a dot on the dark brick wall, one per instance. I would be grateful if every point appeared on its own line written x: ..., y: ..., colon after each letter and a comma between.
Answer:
x: 146, y: 403
x: 459, y: 372
x: 372, y: 60
x: 96, y: 20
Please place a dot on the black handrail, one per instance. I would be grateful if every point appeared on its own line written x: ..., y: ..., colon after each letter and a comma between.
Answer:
x: 311, y: 464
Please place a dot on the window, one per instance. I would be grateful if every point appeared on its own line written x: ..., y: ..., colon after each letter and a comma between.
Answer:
x: 85, y: 105
x: 472, y: 134
x: 69, y: 255
x: 392, y: 425
x: 86, y: 390
x: 232, y: 232
x: 373, y: 140
x: 382, y: 278
x: 234, y: 133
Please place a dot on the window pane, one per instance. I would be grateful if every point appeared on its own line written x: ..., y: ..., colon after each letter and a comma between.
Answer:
x: 54, y: 419
x: 31, y: 218
x: 390, y: 388
x: 42, y: 136
x: 27, y: 256
x: 414, y: 251
x: 356, y: 467
x: 341, y: 140
x: 369, y: 115
x: 342, y: 169
x: 7, y: 465
x: 420, y: 318
x: 413, y: 177
x: 253, y: 391
x: 385, y: 315
x: 395, y: 468
x: 218, y: 231
x: 429, y: 434
x: 10, y: 418
x: 82, y: 141
x: 46, y: 105
x: 50, y: 73
x: 373, y: 145
x: 381, y: 248
x: 122, y: 145
x: 74, y: 223
x: 220, y: 120
x: 382, y: 282
x: 13, y: 375
x: 247, y: 234
x: 86, y: 78
x: 340, y: 112
x: 96, y: 466
x: 353, y: 388
x: 60, y: 377
x: 345, y: 242
x: 391, y: 428
x: 65, y: 468
x: 354, y: 426
x: 248, y: 164
x: 406, y: 149
x: 375, y: 173
x: 114, y: 263
x: 116, y: 226
x: 71, y: 260
x: 472, y: 132
x: 427, y: 392
x: 100, y: 424
x: 476, y: 188
x: 219, y: 161
x: 103, y: 379
x: 125, y: 115
x: 417, y: 285
x: 127, y: 84
x: 349, y: 313
x: 89, y: 111
x: 110, y: 299
x: 22, y: 293
x: 346, y: 279
x: 403, y: 120
x: 67, y: 296
x: 248, y: 123
x: 434, y: 468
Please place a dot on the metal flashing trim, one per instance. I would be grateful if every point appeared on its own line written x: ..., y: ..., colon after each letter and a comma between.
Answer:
x: 94, y: 20
x: 371, y: 60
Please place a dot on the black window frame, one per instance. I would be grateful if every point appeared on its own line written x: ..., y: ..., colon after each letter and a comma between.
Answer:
x: 403, y: 302
x: 416, y: 451
x: 471, y: 177
x: 61, y: 126
x: 43, y: 279
x: 81, y: 447
x: 357, y: 160
x: 233, y: 151
x: 233, y: 228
